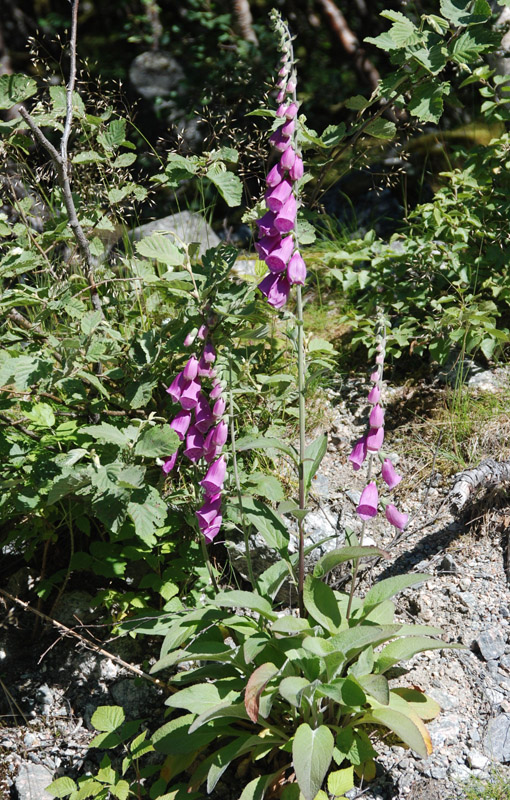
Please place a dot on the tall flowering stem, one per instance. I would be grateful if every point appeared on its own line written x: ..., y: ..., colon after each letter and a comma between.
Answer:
x: 278, y: 244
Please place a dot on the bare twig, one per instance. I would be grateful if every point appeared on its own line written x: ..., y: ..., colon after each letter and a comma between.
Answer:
x: 488, y: 473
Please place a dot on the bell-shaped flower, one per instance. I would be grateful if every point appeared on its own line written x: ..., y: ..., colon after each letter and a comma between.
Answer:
x: 277, y: 259
x: 280, y: 97
x: 209, y: 353
x: 396, y: 517
x: 209, y: 510
x: 212, y: 453
x: 278, y: 196
x: 220, y: 434
x: 181, y: 423
x: 190, y: 371
x: 169, y: 463
x: 190, y: 338
x: 288, y: 128
x: 296, y: 269
x: 283, y: 71
x: 359, y: 453
x: 297, y: 169
x: 374, y: 395
x: 203, y: 414
x: 194, y: 444
x: 389, y: 474
x: 281, y: 111
x: 376, y: 418
x: 374, y: 377
x: 176, y: 387
x: 291, y: 86
x: 204, y: 369
x: 276, y: 288
x: 367, y: 507
x: 216, y: 390
x: 189, y: 395
x: 202, y: 332
x: 288, y: 158
x: 219, y: 407
x: 280, y: 83
x: 266, y: 224
x: 267, y: 244
x: 214, y: 477
x: 379, y: 359
x: 279, y: 141
x: 212, y: 530
x: 291, y: 111
x: 286, y: 217
x: 375, y: 438
x: 276, y: 174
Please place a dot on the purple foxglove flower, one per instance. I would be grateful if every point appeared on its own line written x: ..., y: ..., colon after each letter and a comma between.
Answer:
x: 267, y: 244
x: 202, y: 332
x: 204, y: 369
x: 266, y: 224
x: 296, y: 269
x: 209, y: 353
x: 277, y: 196
x: 376, y: 419
x: 359, y: 453
x: 190, y: 338
x: 276, y: 174
x: 283, y: 71
x: 216, y: 391
x: 297, y: 169
x: 280, y: 83
x: 208, y: 443
x: 389, y: 474
x: 375, y: 438
x: 288, y: 158
x: 219, y: 407
x: 176, y: 387
x: 290, y: 111
x: 212, y: 454
x: 396, y: 517
x: 379, y: 359
x: 367, y: 507
x: 291, y: 86
x: 288, y: 128
x: 203, y: 415
x: 212, y: 531
x: 281, y: 111
x: 181, y: 423
x: 214, y: 477
x: 189, y: 395
x: 220, y: 434
x: 209, y: 510
x: 374, y: 395
x: 276, y: 288
x: 286, y: 217
x: 375, y: 376
x: 190, y: 371
x: 279, y: 141
x: 280, y: 96
x: 169, y: 463
x: 277, y: 259
x: 194, y: 444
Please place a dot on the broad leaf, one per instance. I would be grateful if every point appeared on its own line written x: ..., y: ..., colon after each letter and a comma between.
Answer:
x: 332, y: 559
x: 161, y: 248
x: 222, y: 711
x: 267, y: 522
x: 147, y: 510
x: 108, y: 718
x: 61, y: 787
x: 341, y: 781
x: 203, y: 696
x: 266, y: 443
x: 312, y: 751
x: 157, y: 441
x: 321, y: 604
x: 108, y: 433
x: 255, y: 686
x: 228, y: 185
x: 411, y: 731
x: 176, y: 738
x: 16, y: 89
x: 404, y: 649
x: 291, y: 689
x: 314, y: 454
x: 389, y: 587
x: 376, y: 686
x: 240, y: 599
x: 381, y: 129
x: 426, y: 707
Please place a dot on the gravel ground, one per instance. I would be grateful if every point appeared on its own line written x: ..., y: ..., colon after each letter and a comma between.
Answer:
x: 50, y: 685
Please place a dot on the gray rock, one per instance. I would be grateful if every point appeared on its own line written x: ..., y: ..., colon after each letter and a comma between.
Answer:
x: 491, y: 643
x: 477, y: 760
x: 497, y: 739
x: 448, y: 564
x: 446, y: 700
x: 245, y: 266
x: 31, y: 781
x: 445, y: 729
x: 155, y: 74
x: 44, y: 697
x: 184, y: 226
x: 74, y: 607
x: 135, y: 697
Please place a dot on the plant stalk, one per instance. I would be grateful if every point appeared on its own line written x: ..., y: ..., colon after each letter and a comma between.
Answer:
x: 302, y: 445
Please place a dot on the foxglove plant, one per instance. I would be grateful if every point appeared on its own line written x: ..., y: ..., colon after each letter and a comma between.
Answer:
x: 201, y: 428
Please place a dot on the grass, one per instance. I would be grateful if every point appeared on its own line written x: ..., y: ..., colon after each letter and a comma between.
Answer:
x: 496, y: 788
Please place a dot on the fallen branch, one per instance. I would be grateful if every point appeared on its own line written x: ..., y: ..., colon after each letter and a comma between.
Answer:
x: 488, y: 473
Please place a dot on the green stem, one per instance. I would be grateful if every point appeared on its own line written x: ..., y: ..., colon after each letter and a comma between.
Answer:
x: 302, y: 425
x: 249, y: 562
x: 208, y: 561
x: 355, y: 563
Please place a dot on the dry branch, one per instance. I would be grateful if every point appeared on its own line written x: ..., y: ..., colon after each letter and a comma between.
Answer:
x: 244, y: 20
x: 488, y: 473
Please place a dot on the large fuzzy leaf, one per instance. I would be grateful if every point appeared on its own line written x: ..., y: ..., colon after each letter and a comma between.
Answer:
x: 312, y: 751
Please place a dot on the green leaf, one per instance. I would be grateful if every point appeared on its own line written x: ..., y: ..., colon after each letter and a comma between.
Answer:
x: 267, y: 522
x: 273, y: 578
x: 411, y: 731
x: 88, y: 157
x: 403, y: 31
x: 221, y: 711
x: 290, y: 625
x: 120, y: 790
x: 161, y: 248
x: 312, y: 751
x: 138, y: 394
x: 332, y: 559
x: 458, y: 11
x: 389, y: 587
x: 125, y: 160
x: 267, y: 486
x: 61, y: 787
x: 256, y: 684
x: 157, y: 442
x: 341, y: 781
x: 108, y: 718
x: 240, y: 599
x: 468, y: 47
x: 426, y: 707
x: 256, y: 788
x: 16, y: 89
x: 90, y: 321
x: 175, y: 737
x: 321, y: 603
x: 108, y: 433
x: 227, y: 183
x: 114, y: 135
x: 314, y: 454
x: 203, y: 696
x: 355, y: 639
x: 147, y: 510
x: 291, y: 689
x: 404, y: 649
x: 381, y: 129
x: 426, y: 102
x: 357, y: 102
x: 333, y: 135
x: 266, y: 443
x: 376, y: 686
x: 131, y: 477
x: 41, y: 415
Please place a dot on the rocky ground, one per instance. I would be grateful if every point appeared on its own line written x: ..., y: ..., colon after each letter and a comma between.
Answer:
x: 51, y: 684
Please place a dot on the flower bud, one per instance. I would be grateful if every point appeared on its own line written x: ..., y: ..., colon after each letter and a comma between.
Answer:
x: 389, y: 474
x: 375, y: 438
x: 374, y: 395
x: 288, y: 158
x: 396, y: 517
x: 376, y: 418
x: 297, y: 169
x: 367, y: 507
x: 296, y: 269
x: 190, y: 371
